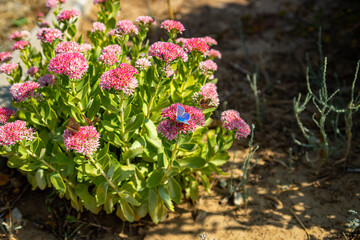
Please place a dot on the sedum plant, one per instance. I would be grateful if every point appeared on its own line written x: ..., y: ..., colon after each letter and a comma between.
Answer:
x: 117, y: 124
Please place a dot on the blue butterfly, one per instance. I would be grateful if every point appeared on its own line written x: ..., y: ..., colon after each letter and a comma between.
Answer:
x: 181, y: 115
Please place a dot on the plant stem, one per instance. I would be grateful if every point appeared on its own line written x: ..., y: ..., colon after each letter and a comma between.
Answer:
x: 42, y: 119
x: 104, y: 175
x: 122, y: 128
x: 46, y: 164
x: 154, y: 96
x: 74, y: 94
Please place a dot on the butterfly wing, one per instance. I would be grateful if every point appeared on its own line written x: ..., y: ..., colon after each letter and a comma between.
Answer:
x: 73, y: 125
x: 181, y: 115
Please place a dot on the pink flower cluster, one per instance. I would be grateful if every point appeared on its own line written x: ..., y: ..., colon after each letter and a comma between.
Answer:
x: 98, y: 26
x: 167, y: 51
x: 196, y: 44
x: 110, y: 55
x: 24, y: 91
x: 207, y: 66
x: 5, y: 114
x: 145, y: 21
x: 49, y: 34
x: 126, y: 27
x: 41, y: 22
x: 14, y: 132
x: 53, y: 3
x: 172, y: 26
x: 67, y: 15
x: 99, y: 1
x: 32, y: 71
x: 231, y: 120
x: 142, y: 63
x: 83, y: 48
x: 65, y: 47
x: 20, y: 45
x: 121, y: 78
x: 209, y: 41
x: 8, y: 68
x: 71, y: 64
x: 5, y: 56
x: 85, y: 141
x: 207, y: 95
x: 169, y: 127
x: 47, y: 80
x: 214, y: 54
x: 19, y: 35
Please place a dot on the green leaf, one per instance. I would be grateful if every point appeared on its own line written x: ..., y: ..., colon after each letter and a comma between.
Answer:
x: 72, y: 30
x: 194, y: 189
x: 41, y: 179
x: 175, y: 190
x: 30, y: 166
x: 150, y: 129
x: 135, y: 122
x: 88, y: 200
x: 111, y: 23
x: 57, y: 182
x: 155, y: 178
x: 127, y: 210
x: 101, y: 193
x: 156, y: 206
x: 132, y: 152
x: 220, y: 159
x: 165, y: 196
x: 94, y: 107
x: 192, y: 162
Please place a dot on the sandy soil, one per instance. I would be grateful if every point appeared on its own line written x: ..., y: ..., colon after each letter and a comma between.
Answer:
x: 289, y: 198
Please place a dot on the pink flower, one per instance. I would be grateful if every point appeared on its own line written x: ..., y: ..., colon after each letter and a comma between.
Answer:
x: 167, y: 51
x: 44, y: 24
x: 116, y: 49
x: 8, y: 68
x: 53, y: 3
x: 169, y: 127
x: 168, y: 70
x: 142, y: 63
x: 181, y: 41
x: 32, y: 71
x: 67, y: 15
x: 71, y: 64
x: 5, y: 56
x: 126, y: 27
x: 98, y: 26
x: 110, y: 55
x: 99, y: 1
x: 49, y: 34
x: 112, y: 32
x: 145, y: 21
x: 19, y: 35
x: 65, y: 47
x: 108, y: 58
x: 121, y: 78
x: 85, y: 141
x: 196, y: 44
x: 209, y: 41
x: 214, y: 54
x: 85, y: 47
x: 231, y: 120
x: 24, y: 91
x: 47, y: 80
x: 207, y: 66
x: 172, y: 26
x: 20, y: 45
x: 207, y: 97
x: 5, y: 114
x: 14, y: 132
